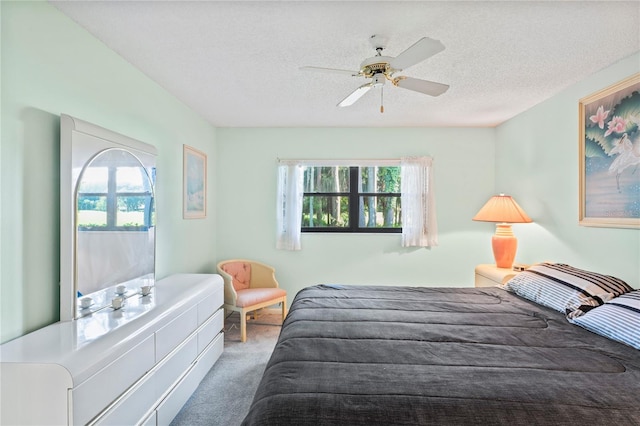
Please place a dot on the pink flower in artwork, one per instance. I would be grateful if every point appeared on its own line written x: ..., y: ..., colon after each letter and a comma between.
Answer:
x: 617, y: 124
x: 600, y: 116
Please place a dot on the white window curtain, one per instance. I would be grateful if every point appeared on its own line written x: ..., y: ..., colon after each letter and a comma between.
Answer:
x: 419, y: 226
x: 289, y: 204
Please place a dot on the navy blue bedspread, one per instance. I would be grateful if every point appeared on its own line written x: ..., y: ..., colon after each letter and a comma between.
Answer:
x: 365, y: 355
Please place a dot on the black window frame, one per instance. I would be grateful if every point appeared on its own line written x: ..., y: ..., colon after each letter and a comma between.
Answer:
x: 354, y: 208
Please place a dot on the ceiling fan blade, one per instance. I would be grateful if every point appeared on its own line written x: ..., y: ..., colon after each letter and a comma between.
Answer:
x: 418, y: 52
x: 355, y: 95
x: 332, y: 70
x: 423, y: 86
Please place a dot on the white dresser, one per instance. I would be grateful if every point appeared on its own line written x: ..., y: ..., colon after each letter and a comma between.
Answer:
x: 135, y: 365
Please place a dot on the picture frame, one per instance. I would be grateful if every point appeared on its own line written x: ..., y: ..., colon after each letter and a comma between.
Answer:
x: 194, y: 203
x: 609, y: 156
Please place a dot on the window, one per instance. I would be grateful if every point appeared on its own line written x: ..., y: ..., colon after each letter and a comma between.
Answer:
x: 351, y: 199
x: 390, y: 196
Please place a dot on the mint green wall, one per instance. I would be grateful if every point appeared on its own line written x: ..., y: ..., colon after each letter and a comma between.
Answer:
x: 464, y: 179
x: 50, y: 66
x: 537, y: 162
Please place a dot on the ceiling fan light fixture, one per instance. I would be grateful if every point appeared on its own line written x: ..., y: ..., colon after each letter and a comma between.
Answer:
x: 378, y: 80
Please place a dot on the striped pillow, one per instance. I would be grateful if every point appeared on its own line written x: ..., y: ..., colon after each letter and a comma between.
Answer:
x: 565, y: 288
x: 618, y: 319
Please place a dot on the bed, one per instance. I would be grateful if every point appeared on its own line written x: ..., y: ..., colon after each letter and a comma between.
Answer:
x: 362, y: 355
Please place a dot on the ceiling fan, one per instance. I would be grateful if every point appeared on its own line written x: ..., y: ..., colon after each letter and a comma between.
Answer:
x: 381, y: 68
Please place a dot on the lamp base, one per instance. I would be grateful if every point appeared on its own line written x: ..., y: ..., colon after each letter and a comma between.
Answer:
x: 504, y: 245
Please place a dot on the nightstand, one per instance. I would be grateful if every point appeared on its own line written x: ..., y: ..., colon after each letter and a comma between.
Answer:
x: 489, y: 275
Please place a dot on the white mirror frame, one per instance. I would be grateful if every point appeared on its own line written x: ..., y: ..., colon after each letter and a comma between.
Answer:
x: 79, y: 142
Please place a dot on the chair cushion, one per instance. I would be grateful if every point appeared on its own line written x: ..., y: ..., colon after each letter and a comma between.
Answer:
x: 240, y: 272
x: 253, y: 296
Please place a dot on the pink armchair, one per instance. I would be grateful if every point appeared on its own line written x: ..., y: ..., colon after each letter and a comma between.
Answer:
x: 248, y: 286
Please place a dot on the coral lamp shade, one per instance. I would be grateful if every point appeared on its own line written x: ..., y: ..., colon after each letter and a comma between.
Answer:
x: 503, y: 210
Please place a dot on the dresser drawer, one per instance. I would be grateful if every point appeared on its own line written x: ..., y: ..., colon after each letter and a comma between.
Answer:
x: 210, y: 330
x: 172, y: 334
x: 170, y: 370
x: 133, y: 406
x: 98, y: 391
x: 209, y: 305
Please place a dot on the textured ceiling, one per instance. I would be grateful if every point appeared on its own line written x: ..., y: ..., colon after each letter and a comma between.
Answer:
x: 237, y: 63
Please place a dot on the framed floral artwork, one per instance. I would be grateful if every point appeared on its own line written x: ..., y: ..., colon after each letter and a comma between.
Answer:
x: 609, y: 156
x: 194, y: 180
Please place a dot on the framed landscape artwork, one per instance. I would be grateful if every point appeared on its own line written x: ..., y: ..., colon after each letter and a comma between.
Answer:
x: 194, y: 183
x: 609, y: 156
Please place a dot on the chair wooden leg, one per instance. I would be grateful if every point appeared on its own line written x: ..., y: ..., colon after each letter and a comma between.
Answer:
x: 243, y: 326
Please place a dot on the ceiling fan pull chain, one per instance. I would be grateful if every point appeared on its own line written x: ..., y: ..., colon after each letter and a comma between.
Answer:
x: 381, y: 99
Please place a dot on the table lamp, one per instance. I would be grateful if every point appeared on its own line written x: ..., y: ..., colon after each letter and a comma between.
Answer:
x: 503, y: 210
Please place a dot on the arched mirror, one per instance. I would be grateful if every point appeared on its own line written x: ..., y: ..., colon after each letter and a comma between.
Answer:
x: 107, y: 218
x: 115, y: 227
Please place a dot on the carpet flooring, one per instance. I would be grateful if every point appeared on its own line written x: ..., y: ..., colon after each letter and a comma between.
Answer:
x: 226, y: 392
